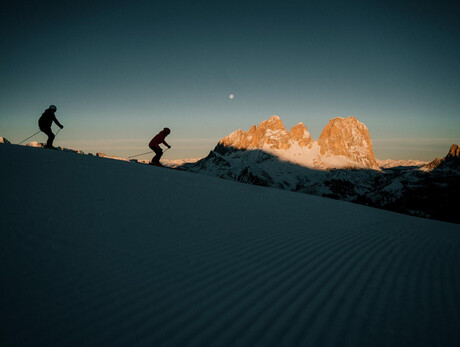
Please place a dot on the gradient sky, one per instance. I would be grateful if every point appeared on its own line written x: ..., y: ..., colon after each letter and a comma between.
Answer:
x: 120, y: 71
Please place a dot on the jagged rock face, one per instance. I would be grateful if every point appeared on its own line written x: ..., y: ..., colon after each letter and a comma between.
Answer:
x: 271, y: 133
x: 450, y: 161
x: 300, y: 134
x: 432, y: 165
x: 454, y: 152
x: 349, y: 138
x: 345, y: 144
x: 3, y: 140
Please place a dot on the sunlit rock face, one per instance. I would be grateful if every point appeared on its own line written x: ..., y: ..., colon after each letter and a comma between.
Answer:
x: 300, y: 134
x: 344, y: 143
x: 454, y: 152
x: 349, y: 138
x: 270, y: 133
x: 450, y: 161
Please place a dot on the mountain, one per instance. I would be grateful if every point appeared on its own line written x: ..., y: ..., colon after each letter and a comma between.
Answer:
x: 269, y: 155
x: 344, y: 143
x: 341, y: 165
x: 270, y: 135
x: 348, y: 138
x: 100, y: 252
x: 450, y: 162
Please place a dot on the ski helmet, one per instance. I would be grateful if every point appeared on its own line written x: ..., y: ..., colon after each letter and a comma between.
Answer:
x: 167, y: 130
x: 53, y: 108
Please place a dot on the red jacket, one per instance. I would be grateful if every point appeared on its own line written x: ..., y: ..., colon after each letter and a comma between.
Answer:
x: 159, y: 138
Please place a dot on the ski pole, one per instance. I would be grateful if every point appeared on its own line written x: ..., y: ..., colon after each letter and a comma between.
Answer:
x: 29, y: 137
x: 137, y: 155
x: 58, y: 131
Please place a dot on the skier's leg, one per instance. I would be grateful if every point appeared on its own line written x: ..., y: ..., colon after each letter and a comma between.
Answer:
x: 51, y: 136
x: 158, y: 154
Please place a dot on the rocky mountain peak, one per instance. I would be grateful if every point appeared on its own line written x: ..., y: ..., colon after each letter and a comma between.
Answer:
x: 300, y: 134
x: 450, y: 161
x: 454, y: 152
x: 270, y: 133
x: 344, y: 142
x: 273, y: 123
x: 349, y: 138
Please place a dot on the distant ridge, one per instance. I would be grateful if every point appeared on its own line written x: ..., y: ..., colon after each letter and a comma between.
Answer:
x: 450, y: 161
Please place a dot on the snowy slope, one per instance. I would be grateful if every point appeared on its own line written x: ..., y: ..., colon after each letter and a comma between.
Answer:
x: 110, y: 253
x: 390, y: 163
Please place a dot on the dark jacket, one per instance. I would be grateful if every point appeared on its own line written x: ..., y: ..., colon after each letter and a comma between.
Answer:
x: 159, y: 138
x: 47, y: 119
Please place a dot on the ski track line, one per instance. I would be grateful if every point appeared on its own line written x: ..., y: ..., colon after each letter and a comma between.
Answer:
x: 355, y: 279
x: 287, y: 291
x: 322, y: 292
x: 182, y: 285
x: 405, y: 288
x: 412, y: 287
x: 283, y: 252
x: 211, y: 287
x: 372, y: 304
x: 264, y: 288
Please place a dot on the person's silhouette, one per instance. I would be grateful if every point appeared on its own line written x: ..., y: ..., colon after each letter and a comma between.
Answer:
x: 45, y: 122
x: 155, y: 145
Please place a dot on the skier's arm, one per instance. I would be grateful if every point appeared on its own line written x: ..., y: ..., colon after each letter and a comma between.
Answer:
x: 164, y: 142
x: 57, y: 122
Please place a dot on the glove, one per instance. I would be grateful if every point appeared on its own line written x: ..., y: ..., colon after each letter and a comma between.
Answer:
x: 169, y: 147
x: 62, y: 127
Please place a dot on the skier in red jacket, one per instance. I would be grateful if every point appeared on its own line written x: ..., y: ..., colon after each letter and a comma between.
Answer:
x: 155, y: 145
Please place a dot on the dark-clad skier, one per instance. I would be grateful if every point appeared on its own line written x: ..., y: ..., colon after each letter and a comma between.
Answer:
x: 45, y: 122
x: 155, y: 145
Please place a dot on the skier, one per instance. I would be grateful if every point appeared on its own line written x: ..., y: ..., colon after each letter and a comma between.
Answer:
x: 45, y: 122
x: 155, y: 145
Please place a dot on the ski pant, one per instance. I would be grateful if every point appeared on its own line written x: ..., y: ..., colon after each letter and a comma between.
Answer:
x: 51, y: 136
x: 158, y: 153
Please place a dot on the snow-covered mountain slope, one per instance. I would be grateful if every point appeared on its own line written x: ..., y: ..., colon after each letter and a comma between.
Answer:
x: 171, y: 162
x: 390, y: 163
x: 110, y: 253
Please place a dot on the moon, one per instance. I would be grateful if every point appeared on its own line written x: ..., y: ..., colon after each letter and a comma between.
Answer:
x: 231, y: 96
